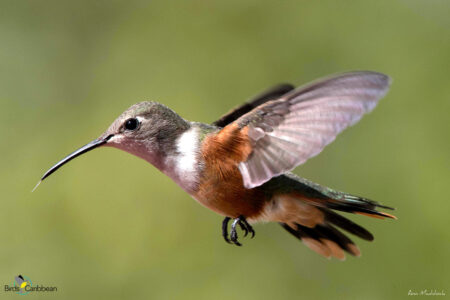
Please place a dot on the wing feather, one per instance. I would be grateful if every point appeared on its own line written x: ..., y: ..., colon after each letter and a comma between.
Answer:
x: 285, y: 133
x: 274, y: 92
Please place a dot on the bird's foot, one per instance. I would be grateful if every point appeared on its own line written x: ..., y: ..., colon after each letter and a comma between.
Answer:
x: 233, y: 236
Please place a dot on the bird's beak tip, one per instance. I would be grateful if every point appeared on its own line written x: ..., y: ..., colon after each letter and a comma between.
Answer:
x: 35, y: 187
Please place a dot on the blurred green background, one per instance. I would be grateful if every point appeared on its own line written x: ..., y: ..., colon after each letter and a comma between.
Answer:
x: 110, y: 226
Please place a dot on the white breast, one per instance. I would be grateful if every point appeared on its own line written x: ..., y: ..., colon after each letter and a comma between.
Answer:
x: 188, y: 148
x: 183, y: 165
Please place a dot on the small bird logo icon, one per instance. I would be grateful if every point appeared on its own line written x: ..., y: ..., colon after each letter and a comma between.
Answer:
x: 22, y: 283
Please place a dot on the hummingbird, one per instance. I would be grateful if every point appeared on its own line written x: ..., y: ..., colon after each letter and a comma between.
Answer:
x: 239, y: 166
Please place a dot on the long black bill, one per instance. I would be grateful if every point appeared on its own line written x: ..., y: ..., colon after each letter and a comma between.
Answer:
x: 88, y: 147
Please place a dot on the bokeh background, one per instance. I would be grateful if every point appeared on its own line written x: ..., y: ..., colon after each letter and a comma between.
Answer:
x: 110, y: 226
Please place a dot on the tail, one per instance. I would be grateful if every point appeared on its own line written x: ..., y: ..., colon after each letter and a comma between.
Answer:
x: 313, y: 221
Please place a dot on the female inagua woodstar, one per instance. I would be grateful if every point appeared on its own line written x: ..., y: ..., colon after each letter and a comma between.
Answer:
x: 239, y: 165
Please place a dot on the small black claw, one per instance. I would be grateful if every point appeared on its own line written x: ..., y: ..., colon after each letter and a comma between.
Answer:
x: 225, y: 229
x: 243, y: 227
x: 249, y: 228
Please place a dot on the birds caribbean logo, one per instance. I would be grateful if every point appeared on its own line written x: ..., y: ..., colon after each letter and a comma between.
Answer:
x: 239, y: 166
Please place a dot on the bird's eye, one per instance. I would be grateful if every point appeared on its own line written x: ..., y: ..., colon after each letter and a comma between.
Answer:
x: 131, y: 124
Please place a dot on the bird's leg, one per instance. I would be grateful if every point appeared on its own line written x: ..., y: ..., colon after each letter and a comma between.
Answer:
x: 233, y: 235
x: 242, y: 222
x: 225, y: 229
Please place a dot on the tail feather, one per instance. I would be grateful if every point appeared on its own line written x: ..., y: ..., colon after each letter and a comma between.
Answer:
x: 324, y: 237
x: 309, y: 237
x: 347, y: 225
x: 355, y: 204
x: 309, y: 211
x: 342, y: 240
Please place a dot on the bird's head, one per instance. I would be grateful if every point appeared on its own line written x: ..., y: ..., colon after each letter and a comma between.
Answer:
x: 146, y: 129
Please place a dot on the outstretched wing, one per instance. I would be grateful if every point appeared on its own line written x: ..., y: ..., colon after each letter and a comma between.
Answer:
x: 284, y: 133
x: 271, y: 94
